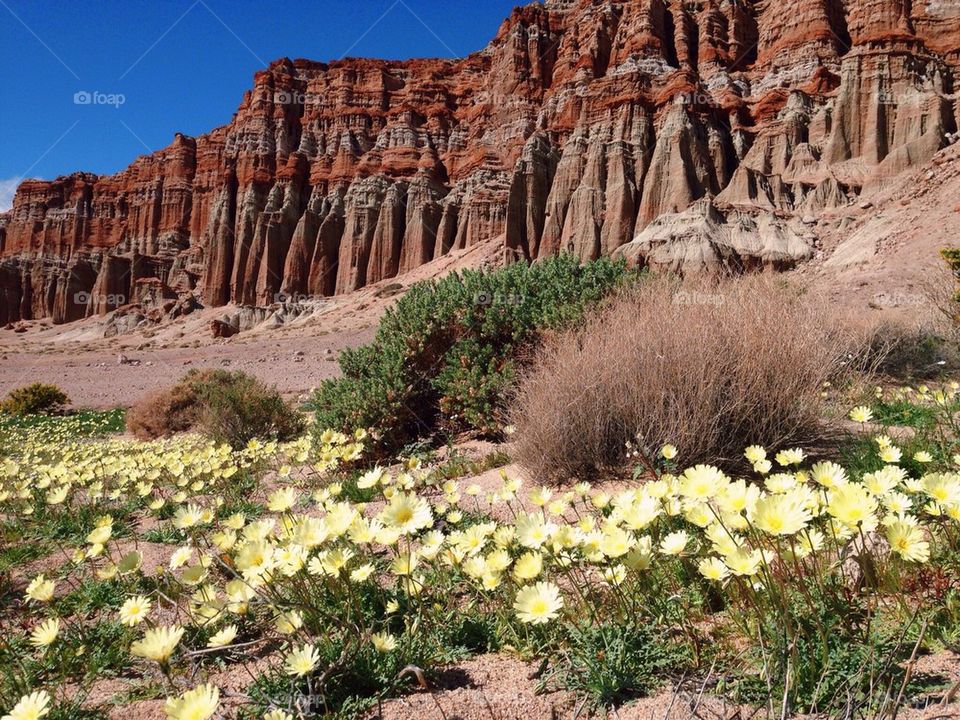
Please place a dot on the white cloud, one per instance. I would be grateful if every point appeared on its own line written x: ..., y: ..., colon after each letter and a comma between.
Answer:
x: 7, y: 188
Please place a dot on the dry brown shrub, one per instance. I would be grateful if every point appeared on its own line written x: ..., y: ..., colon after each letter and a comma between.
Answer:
x: 709, y: 367
x: 230, y: 407
x: 170, y: 410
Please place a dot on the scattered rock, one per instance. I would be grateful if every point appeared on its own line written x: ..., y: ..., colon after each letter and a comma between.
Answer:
x: 223, y: 329
x: 389, y: 290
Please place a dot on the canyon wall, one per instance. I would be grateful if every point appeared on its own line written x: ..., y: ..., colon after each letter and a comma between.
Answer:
x: 701, y: 133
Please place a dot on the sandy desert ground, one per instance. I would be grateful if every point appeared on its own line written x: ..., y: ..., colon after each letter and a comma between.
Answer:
x: 99, y: 373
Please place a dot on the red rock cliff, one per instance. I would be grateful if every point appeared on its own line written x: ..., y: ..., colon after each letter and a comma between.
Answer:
x: 681, y: 133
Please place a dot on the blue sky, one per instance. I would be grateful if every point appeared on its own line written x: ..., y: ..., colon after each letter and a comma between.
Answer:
x: 92, y: 85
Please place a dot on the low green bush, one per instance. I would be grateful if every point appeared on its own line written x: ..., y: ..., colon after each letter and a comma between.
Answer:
x: 238, y: 408
x: 446, y: 354
x: 35, y: 399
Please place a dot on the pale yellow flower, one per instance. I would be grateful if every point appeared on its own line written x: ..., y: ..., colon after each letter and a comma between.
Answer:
x: 383, y: 642
x: 713, y: 568
x: 674, y: 543
x: 282, y: 499
x: 702, y: 482
x: 828, y: 474
x: 277, y: 715
x: 744, y: 562
x: 852, y: 505
x: 362, y: 573
x: 40, y: 589
x: 615, y: 542
x: 371, y: 478
x: 407, y: 513
x: 891, y: 454
x: 197, y: 704
x: 794, y: 456
x: 907, y: 540
x: 45, y: 633
x: 288, y: 622
x: 30, y: 707
x: 762, y: 466
x: 181, y: 556
x: 100, y: 535
x: 302, y: 661
x: 538, y: 604
x: 158, y: 644
x: 755, y: 453
x: 134, y: 610
x: 187, y: 517
x: 223, y: 637
x: 782, y: 514
x: 861, y: 414
x: 528, y: 566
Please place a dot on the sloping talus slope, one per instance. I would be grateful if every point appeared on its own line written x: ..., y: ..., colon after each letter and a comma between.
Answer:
x: 701, y: 133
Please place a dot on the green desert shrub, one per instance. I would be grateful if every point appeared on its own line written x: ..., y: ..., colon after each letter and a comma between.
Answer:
x: 446, y: 354
x: 240, y: 408
x: 35, y: 399
x: 230, y: 407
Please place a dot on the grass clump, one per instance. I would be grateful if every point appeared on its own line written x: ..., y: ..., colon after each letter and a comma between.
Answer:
x: 104, y: 654
x: 710, y: 369
x: 829, y: 651
x: 447, y: 353
x: 904, y: 412
x: 609, y: 664
x: 35, y: 399
x: 230, y: 407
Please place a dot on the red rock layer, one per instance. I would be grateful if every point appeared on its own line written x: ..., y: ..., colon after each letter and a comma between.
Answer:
x: 579, y: 126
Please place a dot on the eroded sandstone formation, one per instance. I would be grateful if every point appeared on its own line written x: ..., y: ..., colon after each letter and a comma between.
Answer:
x: 694, y: 133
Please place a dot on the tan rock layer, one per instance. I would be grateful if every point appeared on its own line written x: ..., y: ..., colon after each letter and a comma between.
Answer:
x: 581, y: 126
